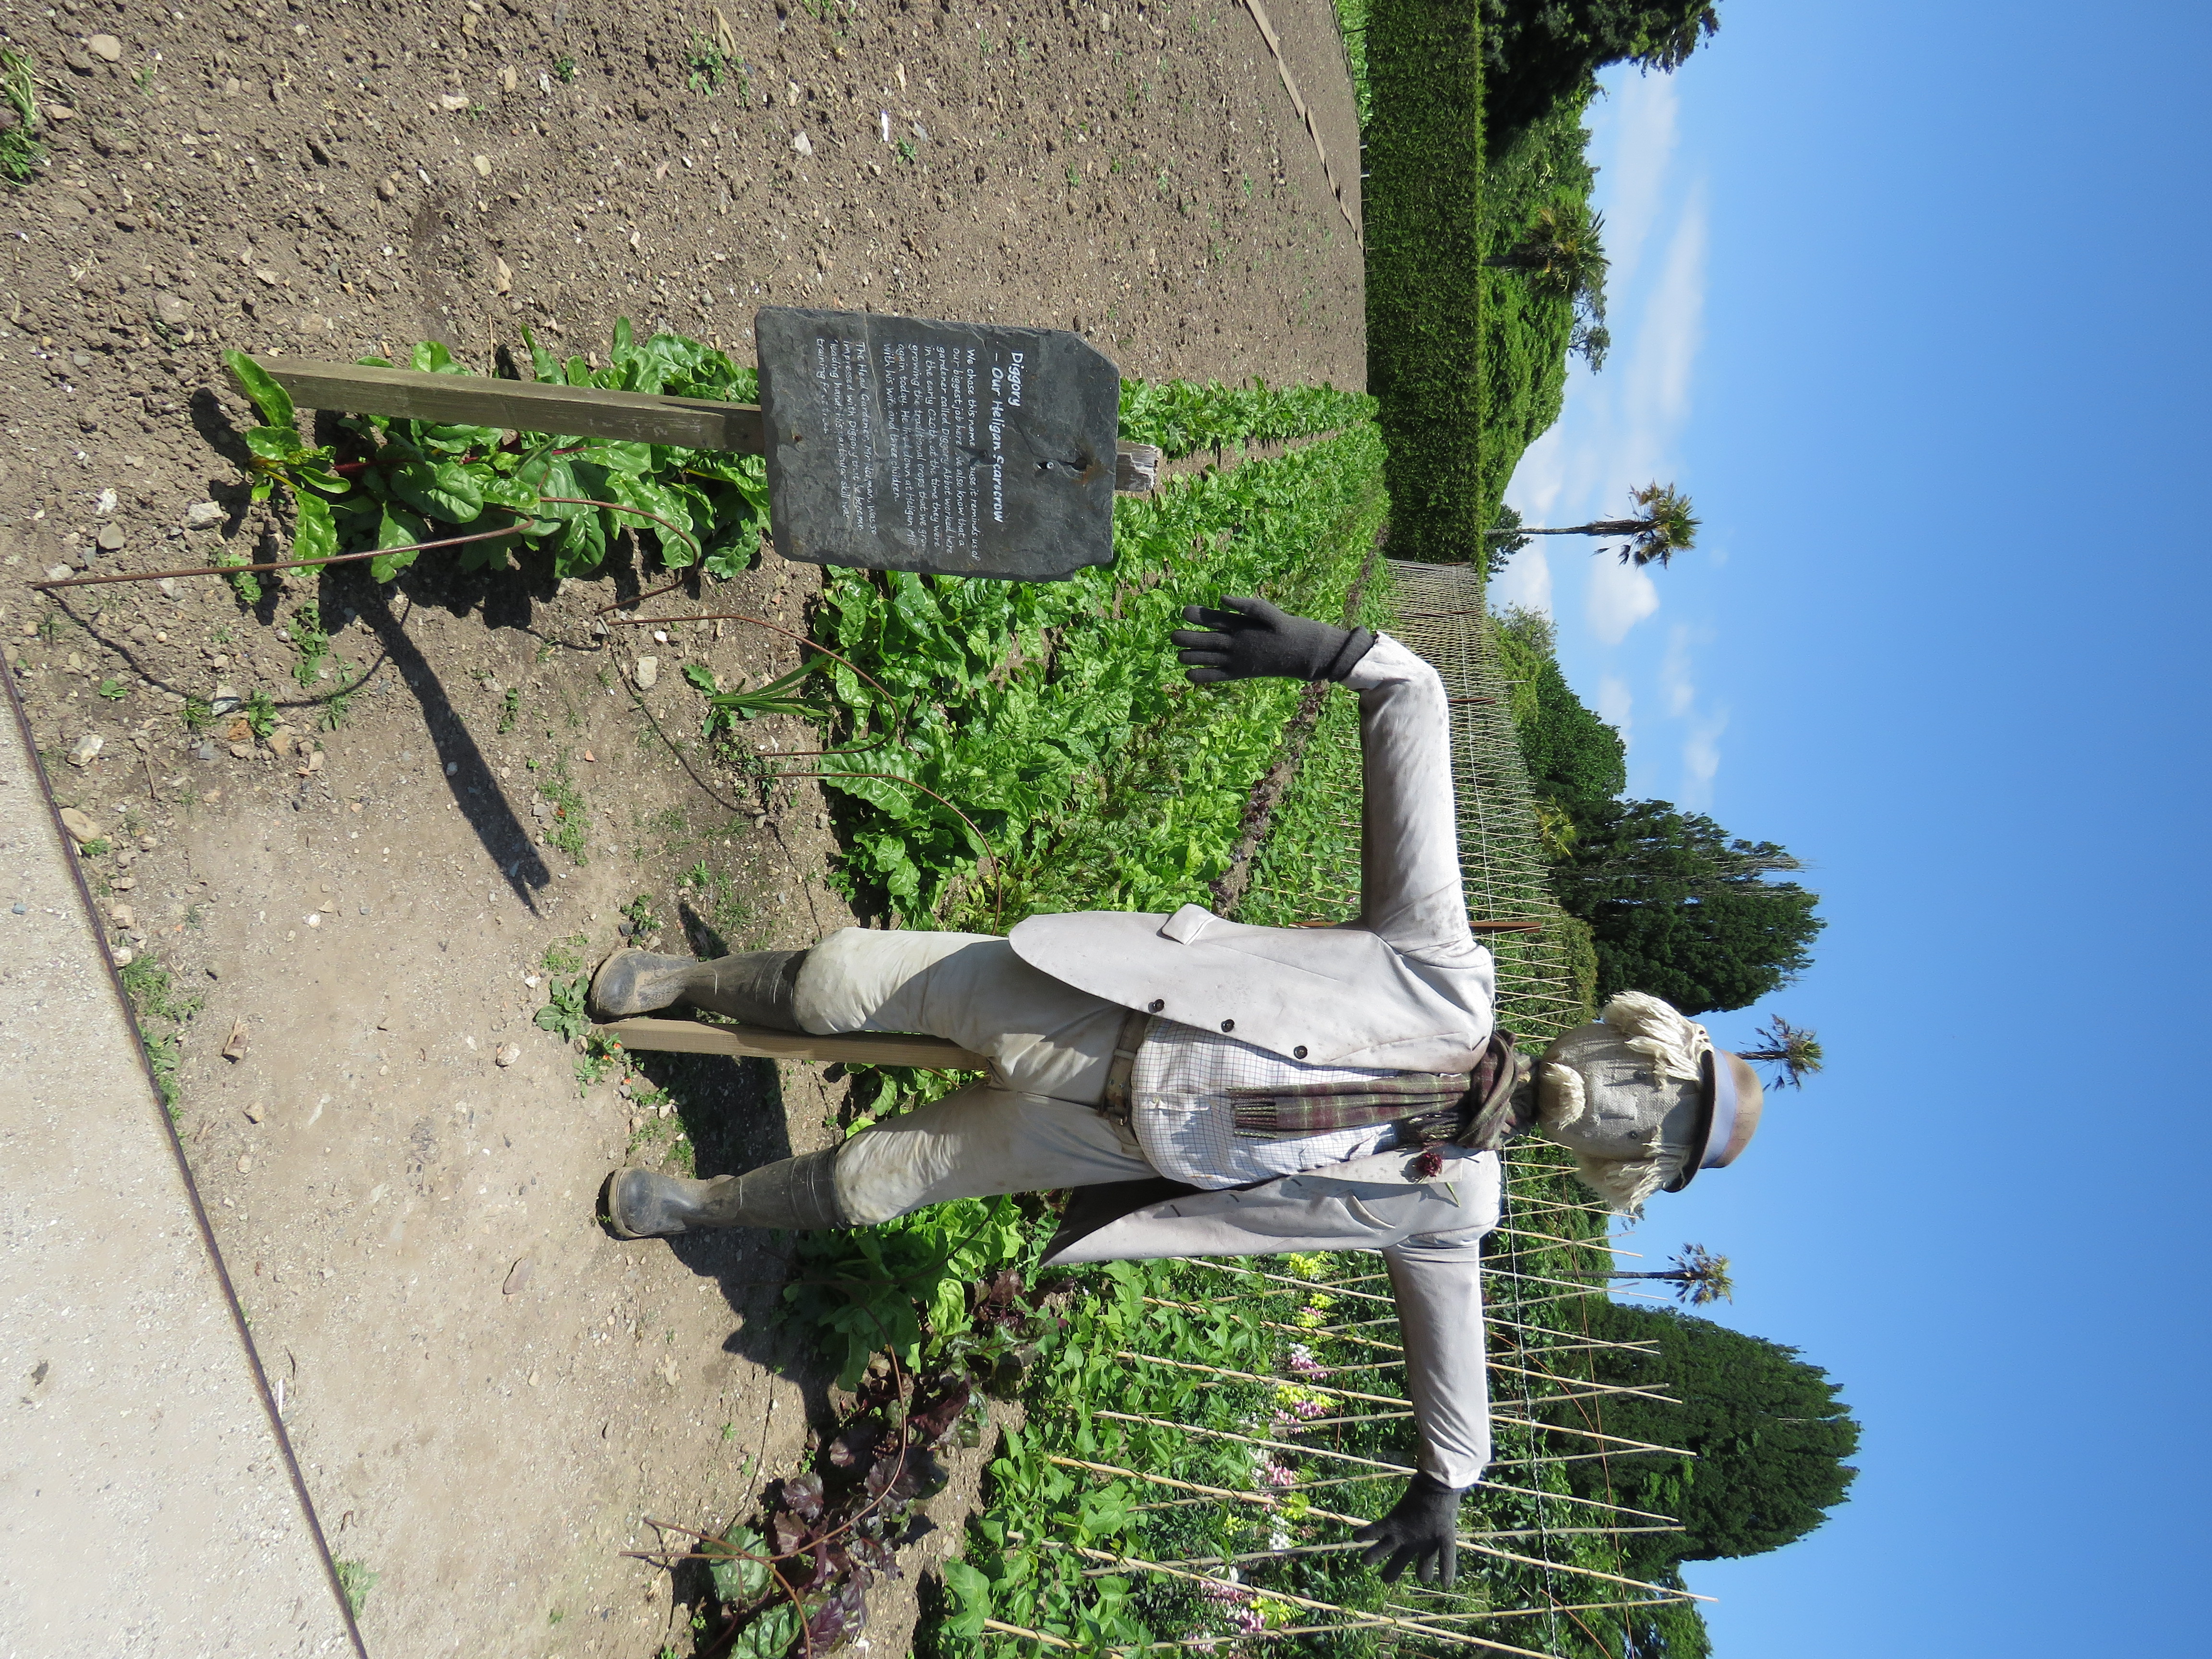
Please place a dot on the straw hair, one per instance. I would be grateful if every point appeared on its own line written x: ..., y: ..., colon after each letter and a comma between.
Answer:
x: 1667, y: 1048
x: 1673, y: 1044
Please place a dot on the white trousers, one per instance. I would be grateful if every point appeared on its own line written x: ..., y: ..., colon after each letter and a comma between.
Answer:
x: 1030, y: 1125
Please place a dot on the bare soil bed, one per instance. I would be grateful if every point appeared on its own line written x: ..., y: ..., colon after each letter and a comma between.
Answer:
x: 487, y: 1393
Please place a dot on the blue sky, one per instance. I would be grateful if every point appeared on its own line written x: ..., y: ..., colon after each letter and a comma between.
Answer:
x: 1910, y: 299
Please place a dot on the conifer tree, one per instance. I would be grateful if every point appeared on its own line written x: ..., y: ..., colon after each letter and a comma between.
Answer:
x: 1771, y: 1436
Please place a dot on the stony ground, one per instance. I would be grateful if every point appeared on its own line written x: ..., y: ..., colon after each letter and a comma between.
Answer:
x: 368, y: 907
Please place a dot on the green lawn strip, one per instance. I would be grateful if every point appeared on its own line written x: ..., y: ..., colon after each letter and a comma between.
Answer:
x: 1423, y: 204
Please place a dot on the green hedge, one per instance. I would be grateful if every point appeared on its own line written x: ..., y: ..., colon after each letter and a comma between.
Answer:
x: 1424, y: 278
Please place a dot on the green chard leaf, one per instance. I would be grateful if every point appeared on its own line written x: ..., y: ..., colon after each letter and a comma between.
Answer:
x: 271, y: 398
x: 444, y: 490
x: 544, y: 365
x: 273, y: 443
x: 315, y: 535
x: 582, y: 547
x: 398, y: 528
x: 498, y: 491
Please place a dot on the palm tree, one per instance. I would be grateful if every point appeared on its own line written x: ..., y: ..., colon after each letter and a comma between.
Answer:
x: 1793, y: 1048
x: 1664, y: 525
x: 1698, y: 1276
x: 1563, y: 253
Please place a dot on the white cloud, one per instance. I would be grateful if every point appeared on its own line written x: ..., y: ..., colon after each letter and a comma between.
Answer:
x: 1675, y: 670
x: 1701, y: 758
x: 1526, y: 581
x: 1636, y: 133
x: 1616, y: 703
x: 1616, y: 598
x: 1667, y: 339
x: 1539, y: 479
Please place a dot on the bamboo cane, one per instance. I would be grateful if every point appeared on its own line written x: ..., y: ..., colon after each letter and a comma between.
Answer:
x: 1347, y: 1548
x: 1279, y: 1279
x: 1268, y: 1501
x: 1545, y: 1613
x: 1591, y: 1434
x: 1333, y: 1456
x: 1289, y: 1599
x: 1253, y: 1377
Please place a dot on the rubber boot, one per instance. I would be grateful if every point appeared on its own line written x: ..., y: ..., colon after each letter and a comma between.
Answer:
x: 753, y: 987
x: 800, y: 1192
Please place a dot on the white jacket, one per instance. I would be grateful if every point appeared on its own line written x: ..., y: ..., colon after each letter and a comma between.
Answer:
x: 1405, y: 986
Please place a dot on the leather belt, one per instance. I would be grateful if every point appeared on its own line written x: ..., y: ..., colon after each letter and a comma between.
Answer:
x: 1115, y: 1104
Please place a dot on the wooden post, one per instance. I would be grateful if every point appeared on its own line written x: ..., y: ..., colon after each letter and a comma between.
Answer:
x: 569, y: 411
x: 1136, y: 469
x: 687, y: 1036
x: 519, y: 405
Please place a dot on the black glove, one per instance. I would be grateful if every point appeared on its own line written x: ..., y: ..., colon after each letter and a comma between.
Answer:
x: 1421, y: 1531
x: 1251, y: 639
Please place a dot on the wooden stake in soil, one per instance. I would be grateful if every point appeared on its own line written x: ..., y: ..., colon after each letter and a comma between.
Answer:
x: 686, y: 1036
x: 518, y: 405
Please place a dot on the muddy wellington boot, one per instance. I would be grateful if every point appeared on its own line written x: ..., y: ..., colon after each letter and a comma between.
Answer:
x: 798, y: 1192
x: 754, y: 987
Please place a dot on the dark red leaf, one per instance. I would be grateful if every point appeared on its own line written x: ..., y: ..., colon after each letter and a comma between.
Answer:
x: 802, y: 1496
x: 899, y: 1479
x: 791, y: 1533
x: 855, y: 1445
x: 837, y: 1617
x: 927, y: 1424
x: 874, y: 1554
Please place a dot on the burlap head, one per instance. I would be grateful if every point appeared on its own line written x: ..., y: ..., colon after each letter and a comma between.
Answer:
x: 1643, y: 1100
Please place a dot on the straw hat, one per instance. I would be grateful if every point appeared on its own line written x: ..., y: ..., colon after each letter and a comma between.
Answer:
x: 1645, y: 1100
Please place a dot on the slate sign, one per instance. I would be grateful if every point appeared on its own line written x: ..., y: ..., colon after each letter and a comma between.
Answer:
x: 894, y: 443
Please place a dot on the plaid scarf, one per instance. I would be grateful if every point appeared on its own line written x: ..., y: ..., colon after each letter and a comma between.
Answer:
x: 1319, y: 1108
x: 1427, y: 1106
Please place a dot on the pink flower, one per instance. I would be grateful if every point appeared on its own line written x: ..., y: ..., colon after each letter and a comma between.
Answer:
x: 1276, y: 1475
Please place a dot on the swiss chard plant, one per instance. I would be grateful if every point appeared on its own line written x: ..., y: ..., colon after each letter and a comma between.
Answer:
x: 488, y: 491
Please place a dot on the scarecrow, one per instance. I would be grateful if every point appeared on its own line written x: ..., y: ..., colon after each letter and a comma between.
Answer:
x: 1214, y: 1089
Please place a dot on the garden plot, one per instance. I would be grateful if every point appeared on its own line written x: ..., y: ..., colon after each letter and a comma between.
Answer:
x: 448, y: 789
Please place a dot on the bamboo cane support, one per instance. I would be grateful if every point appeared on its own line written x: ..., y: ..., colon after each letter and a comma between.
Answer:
x: 1281, y: 1278
x: 1418, y: 1627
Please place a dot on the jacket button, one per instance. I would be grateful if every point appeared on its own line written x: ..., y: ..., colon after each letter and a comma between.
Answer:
x: 1156, y: 1005
x: 1228, y: 1025
x: 1298, y: 1052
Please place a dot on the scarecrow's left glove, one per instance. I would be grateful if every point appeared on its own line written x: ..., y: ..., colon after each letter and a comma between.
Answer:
x: 1250, y: 639
x: 1419, y: 1533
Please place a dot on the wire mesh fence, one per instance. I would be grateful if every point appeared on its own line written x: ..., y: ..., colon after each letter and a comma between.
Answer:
x: 1309, y: 868
x: 1257, y: 1409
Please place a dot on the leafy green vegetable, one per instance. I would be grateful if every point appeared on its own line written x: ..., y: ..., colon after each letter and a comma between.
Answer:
x: 1182, y: 418
x: 739, y: 1578
x: 271, y: 398
x: 564, y: 1013
x: 445, y: 490
x: 315, y: 532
